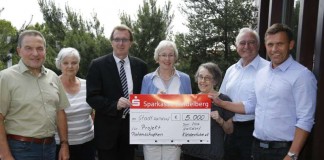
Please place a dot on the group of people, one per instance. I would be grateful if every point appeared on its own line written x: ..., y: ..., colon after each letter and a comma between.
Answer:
x: 262, y: 111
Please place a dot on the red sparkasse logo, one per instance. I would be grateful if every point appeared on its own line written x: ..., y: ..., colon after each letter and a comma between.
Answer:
x: 167, y: 101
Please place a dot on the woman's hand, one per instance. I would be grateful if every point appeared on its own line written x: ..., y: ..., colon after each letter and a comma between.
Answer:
x: 215, y: 115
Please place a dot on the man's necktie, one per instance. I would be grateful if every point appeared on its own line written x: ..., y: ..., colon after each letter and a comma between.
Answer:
x: 123, y: 79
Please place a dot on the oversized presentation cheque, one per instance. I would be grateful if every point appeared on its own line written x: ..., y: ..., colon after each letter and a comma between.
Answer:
x: 170, y: 119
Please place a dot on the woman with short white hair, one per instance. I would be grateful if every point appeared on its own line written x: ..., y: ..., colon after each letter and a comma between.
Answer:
x: 79, y: 114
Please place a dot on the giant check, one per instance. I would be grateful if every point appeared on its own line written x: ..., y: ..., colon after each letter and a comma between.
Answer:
x: 170, y: 119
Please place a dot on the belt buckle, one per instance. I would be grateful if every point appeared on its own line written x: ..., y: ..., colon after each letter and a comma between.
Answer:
x: 45, y: 141
x: 48, y: 140
x: 264, y: 144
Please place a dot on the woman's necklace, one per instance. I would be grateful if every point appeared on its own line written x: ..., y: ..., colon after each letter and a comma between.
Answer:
x: 167, y: 79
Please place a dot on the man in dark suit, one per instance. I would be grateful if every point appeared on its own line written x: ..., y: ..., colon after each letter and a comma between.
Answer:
x: 106, y: 95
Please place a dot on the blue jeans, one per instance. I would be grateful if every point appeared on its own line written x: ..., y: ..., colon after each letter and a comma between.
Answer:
x: 31, y: 151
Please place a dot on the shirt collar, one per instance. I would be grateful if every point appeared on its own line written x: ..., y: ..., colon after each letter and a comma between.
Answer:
x: 285, y: 65
x: 23, y: 68
x: 254, y: 63
x: 117, y: 60
x: 156, y: 74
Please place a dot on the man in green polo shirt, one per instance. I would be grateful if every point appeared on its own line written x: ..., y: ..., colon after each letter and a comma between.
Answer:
x: 32, y: 102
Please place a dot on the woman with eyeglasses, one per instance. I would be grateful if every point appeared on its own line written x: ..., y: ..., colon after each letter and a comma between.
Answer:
x: 165, y: 80
x: 208, y: 76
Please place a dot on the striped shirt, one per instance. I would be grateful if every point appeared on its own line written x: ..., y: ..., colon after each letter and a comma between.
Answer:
x: 80, y: 124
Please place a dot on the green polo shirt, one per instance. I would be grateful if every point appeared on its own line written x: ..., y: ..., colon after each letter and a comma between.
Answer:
x: 29, y: 103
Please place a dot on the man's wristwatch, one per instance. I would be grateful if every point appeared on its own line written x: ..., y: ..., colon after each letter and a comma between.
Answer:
x: 292, y: 155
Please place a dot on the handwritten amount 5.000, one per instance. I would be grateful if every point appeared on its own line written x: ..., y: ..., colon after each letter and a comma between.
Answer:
x: 195, y: 117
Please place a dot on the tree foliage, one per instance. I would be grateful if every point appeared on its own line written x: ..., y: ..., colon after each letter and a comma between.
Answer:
x: 152, y: 25
x: 69, y: 29
x: 213, y: 26
x: 7, y: 42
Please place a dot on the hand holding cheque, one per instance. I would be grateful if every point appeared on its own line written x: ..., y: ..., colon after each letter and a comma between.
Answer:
x: 170, y: 119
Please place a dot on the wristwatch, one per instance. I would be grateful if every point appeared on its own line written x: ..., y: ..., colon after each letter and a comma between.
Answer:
x: 292, y: 155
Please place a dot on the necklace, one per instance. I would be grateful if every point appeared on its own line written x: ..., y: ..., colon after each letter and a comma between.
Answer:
x: 166, y: 79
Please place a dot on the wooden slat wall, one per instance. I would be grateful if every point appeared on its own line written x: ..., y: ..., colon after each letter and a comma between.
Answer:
x: 306, y: 32
x: 262, y: 26
x: 318, y: 138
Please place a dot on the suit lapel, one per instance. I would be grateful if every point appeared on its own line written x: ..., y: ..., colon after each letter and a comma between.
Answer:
x: 133, y: 70
x: 113, y: 69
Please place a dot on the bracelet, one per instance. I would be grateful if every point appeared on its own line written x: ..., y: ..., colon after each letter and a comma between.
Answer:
x: 64, y: 142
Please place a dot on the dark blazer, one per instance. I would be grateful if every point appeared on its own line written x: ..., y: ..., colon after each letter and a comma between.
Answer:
x: 103, y: 92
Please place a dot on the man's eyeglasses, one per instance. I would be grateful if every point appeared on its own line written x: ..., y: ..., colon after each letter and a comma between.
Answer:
x: 249, y: 43
x: 166, y: 56
x: 206, y: 79
x: 117, y: 40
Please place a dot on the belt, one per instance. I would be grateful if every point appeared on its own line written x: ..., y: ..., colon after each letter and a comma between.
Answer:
x: 272, y: 144
x: 243, y: 123
x: 48, y: 140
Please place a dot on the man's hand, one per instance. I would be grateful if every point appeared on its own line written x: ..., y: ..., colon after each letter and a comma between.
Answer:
x: 236, y: 107
x: 62, y: 130
x: 215, y: 99
x: 123, y: 103
x: 5, y: 153
x: 6, y: 157
x: 64, y: 152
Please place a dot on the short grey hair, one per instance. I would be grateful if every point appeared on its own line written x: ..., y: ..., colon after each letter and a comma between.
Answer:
x: 247, y: 30
x: 163, y: 45
x: 25, y: 33
x: 66, y: 52
x: 213, y: 69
